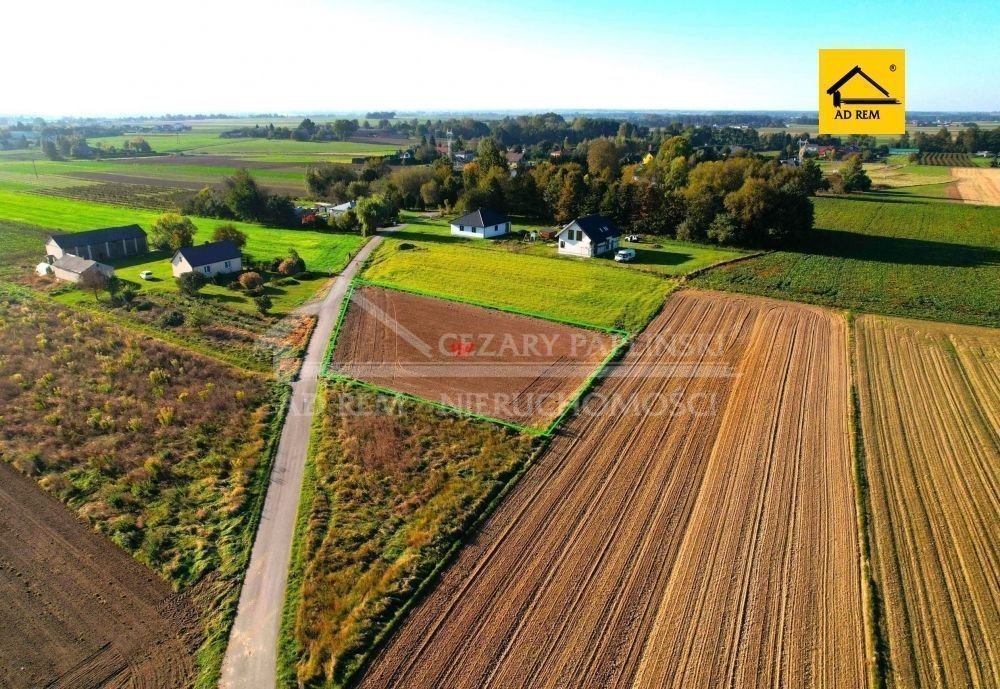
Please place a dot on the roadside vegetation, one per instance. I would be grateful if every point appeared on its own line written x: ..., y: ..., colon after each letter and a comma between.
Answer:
x: 162, y: 451
x: 393, y: 487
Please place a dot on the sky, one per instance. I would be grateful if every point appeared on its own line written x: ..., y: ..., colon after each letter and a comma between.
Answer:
x: 131, y: 57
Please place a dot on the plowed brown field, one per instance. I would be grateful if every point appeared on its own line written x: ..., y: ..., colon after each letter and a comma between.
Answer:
x: 708, y: 540
x: 977, y: 185
x: 930, y: 403
x: 77, y: 612
x: 493, y: 363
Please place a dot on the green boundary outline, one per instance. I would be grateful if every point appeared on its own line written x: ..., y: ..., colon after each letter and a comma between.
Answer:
x: 505, y: 309
x: 547, y: 432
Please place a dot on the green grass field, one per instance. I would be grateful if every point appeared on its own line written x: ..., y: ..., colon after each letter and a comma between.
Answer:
x: 584, y: 291
x: 900, y: 252
x: 658, y: 255
x: 322, y: 251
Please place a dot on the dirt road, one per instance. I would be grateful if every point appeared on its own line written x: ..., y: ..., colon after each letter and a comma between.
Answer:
x: 77, y: 611
x: 980, y: 185
x: 251, y: 657
x: 703, y: 537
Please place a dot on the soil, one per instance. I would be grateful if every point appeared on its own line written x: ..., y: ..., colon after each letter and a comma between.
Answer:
x: 519, y: 369
x: 704, y: 536
x: 930, y: 411
x: 78, y: 613
x: 979, y: 185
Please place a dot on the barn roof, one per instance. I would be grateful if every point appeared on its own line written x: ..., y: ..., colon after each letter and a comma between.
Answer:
x: 597, y: 227
x: 74, y: 264
x: 481, y: 217
x: 213, y: 252
x: 72, y: 240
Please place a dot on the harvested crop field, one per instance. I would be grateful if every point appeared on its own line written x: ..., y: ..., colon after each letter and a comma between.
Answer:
x: 979, y: 185
x: 704, y: 536
x: 501, y: 365
x: 930, y: 413
x: 78, y: 613
x: 149, y: 196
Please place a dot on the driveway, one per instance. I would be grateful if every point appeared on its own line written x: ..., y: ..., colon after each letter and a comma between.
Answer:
x: 251, y: 658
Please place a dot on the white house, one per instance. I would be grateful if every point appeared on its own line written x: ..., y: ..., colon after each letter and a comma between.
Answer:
x: 73, y: 268
x: 209, y: 259
x: 591, y: 235
x: 481, y: 223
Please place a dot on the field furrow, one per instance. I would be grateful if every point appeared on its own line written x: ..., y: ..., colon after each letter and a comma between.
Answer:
x: 568, y: 583
x: 929, y: 402
x: 766, y: 590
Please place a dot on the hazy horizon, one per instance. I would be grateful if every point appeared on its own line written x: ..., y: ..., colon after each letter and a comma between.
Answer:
x: 116, y: 58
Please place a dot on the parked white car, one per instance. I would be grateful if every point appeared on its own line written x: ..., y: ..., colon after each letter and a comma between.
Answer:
x: 632, y: 238
x: 146, y: 275
x: 625, y: 255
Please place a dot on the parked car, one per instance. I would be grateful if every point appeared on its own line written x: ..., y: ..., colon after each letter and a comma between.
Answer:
x: 625, y: 255
x: 146, y: 275
x: 632, y: 238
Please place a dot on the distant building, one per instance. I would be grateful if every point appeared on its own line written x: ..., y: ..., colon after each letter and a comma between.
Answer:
x: 465, y: 156
x: 342, y: 208
x: 210, y: 259
x: 74, y: 269
x: 809, y: 149
x: 481, y: 223
x: 99, y: 245
x: 591, y: 235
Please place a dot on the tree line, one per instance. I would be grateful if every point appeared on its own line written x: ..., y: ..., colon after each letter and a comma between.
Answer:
x: 683, y: 191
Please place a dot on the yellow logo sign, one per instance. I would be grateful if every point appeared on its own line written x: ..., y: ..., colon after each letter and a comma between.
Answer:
x: 862, y: 91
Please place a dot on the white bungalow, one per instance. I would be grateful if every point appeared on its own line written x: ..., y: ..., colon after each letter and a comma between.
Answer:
x: 591, y: 235
x: 481, y: 223
x: 209, y: 259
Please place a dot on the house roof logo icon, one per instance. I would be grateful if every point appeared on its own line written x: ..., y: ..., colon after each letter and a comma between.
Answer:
x: 857, y: 71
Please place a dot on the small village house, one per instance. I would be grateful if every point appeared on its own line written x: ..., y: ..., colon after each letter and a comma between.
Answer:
x: 75, y: 269
x: 591, y: 235
x: 214, y: 258
x: 481, y: 223
x: 99, y: 245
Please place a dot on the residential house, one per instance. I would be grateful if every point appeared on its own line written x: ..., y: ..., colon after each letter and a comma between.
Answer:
x: 342, y: 208
x: 99, y: 245
x: 210, y: 259
x: 515, y: 160
x: 481, y: 223
x: 809, y: 149
x: 591, y: 235
x: 75, y: 269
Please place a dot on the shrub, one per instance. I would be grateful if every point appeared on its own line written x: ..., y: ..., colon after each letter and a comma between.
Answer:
x: 190, y: 283
x: 172, y: 319
x: 251, y: 281
x: 230, y: 232
x: 293, y: 265
x: 263, y: 303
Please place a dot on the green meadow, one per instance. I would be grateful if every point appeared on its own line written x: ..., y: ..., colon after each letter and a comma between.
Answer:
x: 658, y: 255
x: 901, y: 252
x: 322, y: 251
x: 576, y: 290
